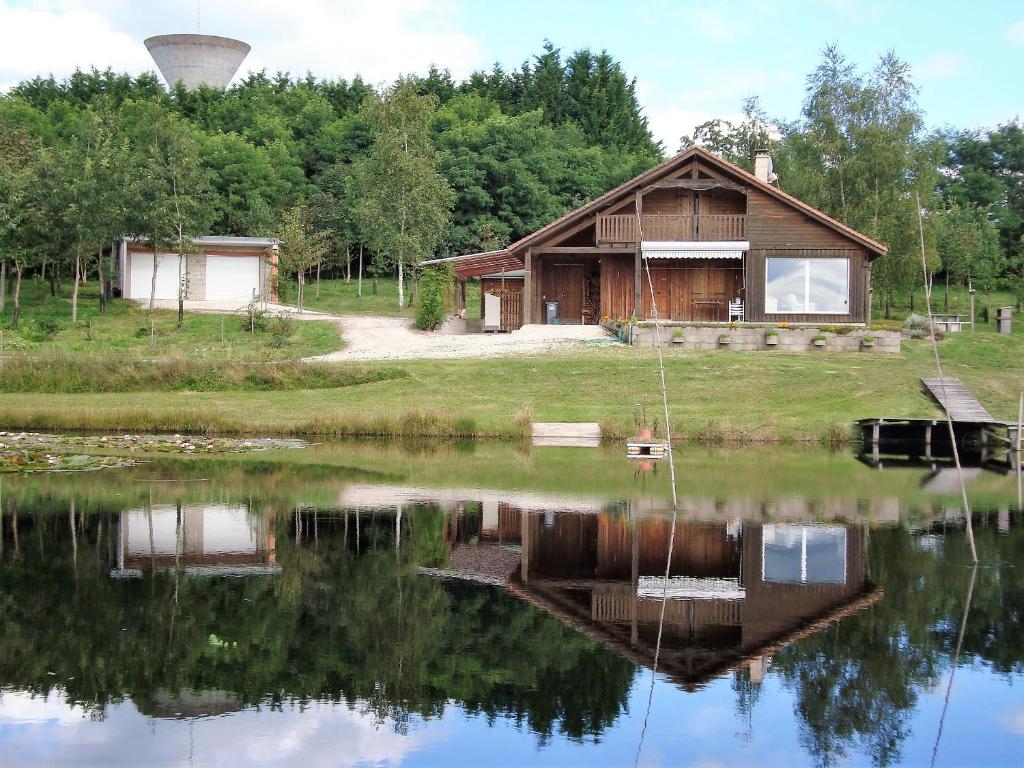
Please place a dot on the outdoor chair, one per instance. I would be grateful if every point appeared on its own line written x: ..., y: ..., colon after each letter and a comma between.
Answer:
x: 736, y: 310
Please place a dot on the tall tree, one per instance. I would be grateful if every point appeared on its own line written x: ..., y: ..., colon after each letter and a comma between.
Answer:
x: 23, y: 214
x: 170, y: 191
x: 738, y: 143
x: 985, y: 169
x: 90, y: 193
x: 302, y: 245
x: 405, y: 207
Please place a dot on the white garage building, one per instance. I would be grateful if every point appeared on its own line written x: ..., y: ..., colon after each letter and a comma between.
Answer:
x: 219, y: 268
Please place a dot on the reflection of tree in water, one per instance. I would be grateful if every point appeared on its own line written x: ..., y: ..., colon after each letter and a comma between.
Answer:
x: 857, y: 683
x: 359, y: 628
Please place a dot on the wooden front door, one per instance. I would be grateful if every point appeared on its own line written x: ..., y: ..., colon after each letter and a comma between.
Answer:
x: 564, y: 283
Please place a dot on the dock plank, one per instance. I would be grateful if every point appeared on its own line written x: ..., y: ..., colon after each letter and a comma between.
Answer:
x: 958, y: 401
x: 585, y: 434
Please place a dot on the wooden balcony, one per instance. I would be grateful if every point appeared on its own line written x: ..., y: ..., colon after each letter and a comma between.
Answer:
x: 622, y: 228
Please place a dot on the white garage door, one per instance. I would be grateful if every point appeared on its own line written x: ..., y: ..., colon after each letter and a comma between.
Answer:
x: 232, y: 277
x: 142, y: 276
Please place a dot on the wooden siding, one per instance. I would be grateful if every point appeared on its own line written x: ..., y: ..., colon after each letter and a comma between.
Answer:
x: 773, y: 224
x: 859, y: 280
x: 697, y: 291
x: 617, y: 285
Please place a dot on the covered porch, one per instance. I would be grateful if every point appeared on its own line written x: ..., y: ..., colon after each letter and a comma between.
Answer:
x: 691, y: 281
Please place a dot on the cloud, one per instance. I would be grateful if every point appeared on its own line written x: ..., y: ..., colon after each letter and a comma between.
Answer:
x: 1013, y: 721
x: 40, y: 42
x: 715, y: 93
x: 1015, y: 33
x: 45, y: 730
x: 330, y: 38
x: 941, y: 65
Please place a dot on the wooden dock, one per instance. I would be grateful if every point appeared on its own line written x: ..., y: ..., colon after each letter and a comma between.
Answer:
x: 567, y: 434
x: 977, y: 432
x: 960, y: 404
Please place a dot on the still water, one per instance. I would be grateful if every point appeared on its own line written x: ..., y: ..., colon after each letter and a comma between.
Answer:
x: 493, y: 605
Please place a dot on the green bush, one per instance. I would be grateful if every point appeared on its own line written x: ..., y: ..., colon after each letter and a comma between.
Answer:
x: 43, y: 328
x: 255, y: 319
x: 431, y: 310
x: 281, y: 330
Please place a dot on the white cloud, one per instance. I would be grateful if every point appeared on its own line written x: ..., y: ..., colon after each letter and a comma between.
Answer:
x: 1015, y: 33
x: 1012, y: 721
x: 714, y: 93
x: 941, y: 65
x: 40, y: 42
x: 330, y: 38
x: 46, y: 730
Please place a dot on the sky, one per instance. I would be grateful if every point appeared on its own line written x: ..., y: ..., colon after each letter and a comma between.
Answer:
x: 693, y: 60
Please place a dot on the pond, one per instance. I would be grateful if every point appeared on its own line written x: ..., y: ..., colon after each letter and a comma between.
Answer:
x: 490, y: 604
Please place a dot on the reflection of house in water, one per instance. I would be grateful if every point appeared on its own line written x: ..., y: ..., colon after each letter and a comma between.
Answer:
x: 735, y: 591
x: 201, y: 540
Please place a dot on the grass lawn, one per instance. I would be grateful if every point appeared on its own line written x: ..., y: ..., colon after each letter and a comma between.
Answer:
x: 124, y: 330
x: 340, y: 298
x: 750, y: 396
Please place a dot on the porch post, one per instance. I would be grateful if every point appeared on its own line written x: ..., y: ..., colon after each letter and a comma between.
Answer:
x: 638, y: 272
x: 528, y: 287
x: 638, y: 256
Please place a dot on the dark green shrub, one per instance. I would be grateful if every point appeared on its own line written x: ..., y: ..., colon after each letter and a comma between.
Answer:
x: 44, y: 328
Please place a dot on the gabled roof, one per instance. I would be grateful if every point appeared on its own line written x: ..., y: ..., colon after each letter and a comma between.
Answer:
x: 676, y: 161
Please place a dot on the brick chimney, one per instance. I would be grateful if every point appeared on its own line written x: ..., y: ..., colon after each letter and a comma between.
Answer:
x: 763, y: 167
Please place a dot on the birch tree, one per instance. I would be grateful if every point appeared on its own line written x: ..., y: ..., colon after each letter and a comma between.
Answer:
x: 405, y: 207
x: 302, y: 245
x: 170, y: 189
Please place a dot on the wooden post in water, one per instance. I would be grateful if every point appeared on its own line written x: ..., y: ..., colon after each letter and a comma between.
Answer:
x: 1020, y: 423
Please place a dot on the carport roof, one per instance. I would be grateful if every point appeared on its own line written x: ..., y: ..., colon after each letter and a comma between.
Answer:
x: 483, y: 263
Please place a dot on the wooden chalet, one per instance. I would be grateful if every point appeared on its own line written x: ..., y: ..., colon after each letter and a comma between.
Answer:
x: 711, y: 234
x: 736, y: 592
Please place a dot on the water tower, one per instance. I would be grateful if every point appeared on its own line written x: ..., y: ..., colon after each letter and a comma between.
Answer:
x: 197, y: 60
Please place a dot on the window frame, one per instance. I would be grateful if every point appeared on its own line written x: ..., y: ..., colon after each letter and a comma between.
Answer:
x: 807, y: 285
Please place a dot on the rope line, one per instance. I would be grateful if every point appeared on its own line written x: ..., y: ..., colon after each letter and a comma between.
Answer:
x: 675, y: 498
x: 942, y: 384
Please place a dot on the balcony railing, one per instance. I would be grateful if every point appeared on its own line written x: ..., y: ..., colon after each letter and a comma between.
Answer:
x: 622, y: 228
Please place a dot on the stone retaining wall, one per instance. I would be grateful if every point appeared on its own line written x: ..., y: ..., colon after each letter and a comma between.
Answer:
x: 747, y: 339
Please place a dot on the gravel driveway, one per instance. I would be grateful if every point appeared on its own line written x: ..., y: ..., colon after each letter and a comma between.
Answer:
x: 394, y: 338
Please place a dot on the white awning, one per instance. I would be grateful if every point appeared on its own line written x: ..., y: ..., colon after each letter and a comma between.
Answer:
x: 689, y: 588
x: 694, y: 250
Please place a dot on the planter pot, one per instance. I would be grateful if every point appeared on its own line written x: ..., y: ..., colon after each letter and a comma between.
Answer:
x: 771, y: 341
x: 818, y: 342
x: 725, y: 342
x: 680, y: 340
x: 645, y: 434
x: 867, y: 344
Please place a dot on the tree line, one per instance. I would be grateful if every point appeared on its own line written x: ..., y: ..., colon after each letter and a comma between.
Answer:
x: 374, y: 180
x: 860, y: 152
x: 340, y: 172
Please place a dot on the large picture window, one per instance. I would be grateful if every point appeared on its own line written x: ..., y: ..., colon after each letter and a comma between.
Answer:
x: 803, y: 554
x: 807, y: 286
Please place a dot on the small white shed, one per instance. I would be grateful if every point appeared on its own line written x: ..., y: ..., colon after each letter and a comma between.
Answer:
x: 216, y: 268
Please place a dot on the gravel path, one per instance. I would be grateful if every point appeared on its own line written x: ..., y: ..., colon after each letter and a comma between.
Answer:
x: 394, y: 338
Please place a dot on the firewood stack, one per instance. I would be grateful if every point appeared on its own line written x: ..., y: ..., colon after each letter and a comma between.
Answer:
x: 591, y: 301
